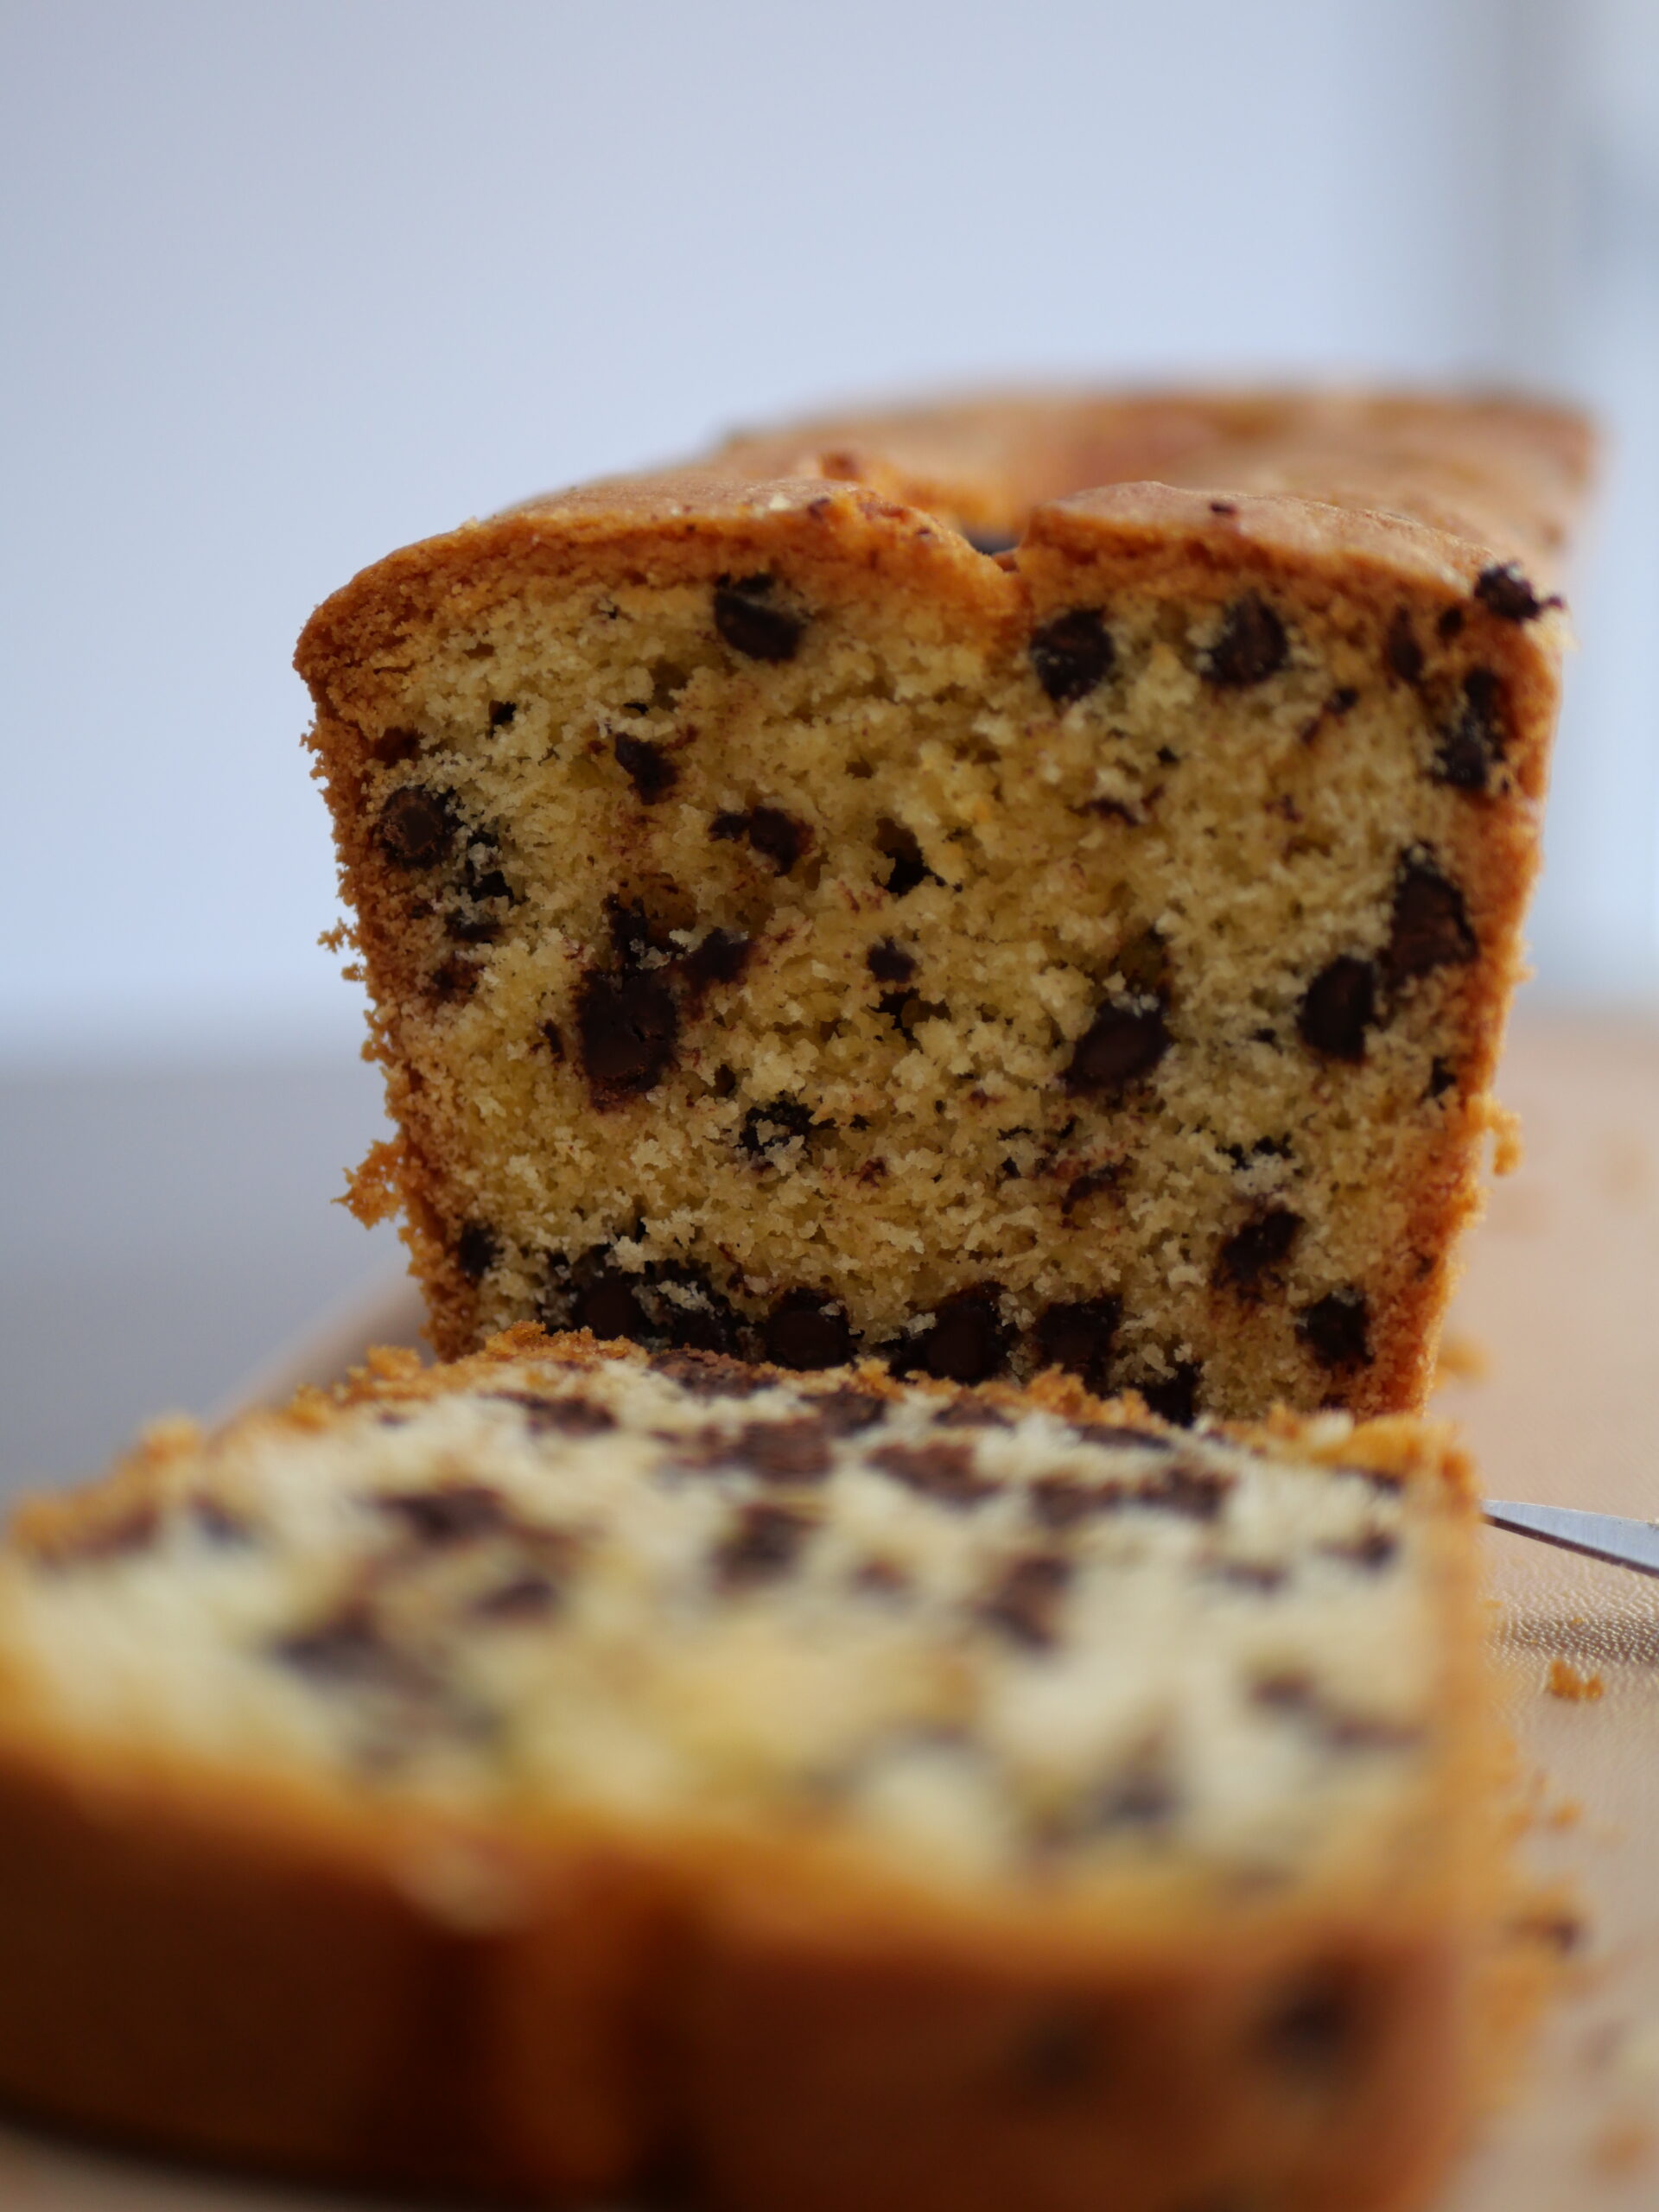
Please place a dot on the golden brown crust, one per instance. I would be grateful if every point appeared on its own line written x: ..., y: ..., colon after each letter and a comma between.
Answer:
x: 1365, y: 503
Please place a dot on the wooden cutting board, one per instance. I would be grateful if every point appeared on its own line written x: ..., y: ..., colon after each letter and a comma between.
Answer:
x: 1554, y: 1354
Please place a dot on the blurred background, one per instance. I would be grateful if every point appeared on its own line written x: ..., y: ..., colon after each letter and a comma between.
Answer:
x: 290, y: 282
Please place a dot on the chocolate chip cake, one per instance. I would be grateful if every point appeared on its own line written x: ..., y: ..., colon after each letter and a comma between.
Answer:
x: 580, y: 1766
x: 1005, y: 886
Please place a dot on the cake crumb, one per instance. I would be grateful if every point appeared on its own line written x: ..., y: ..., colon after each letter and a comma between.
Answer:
x: 1462, y: 1359
x: 1507, y: 1149
x: 1566, y: 1681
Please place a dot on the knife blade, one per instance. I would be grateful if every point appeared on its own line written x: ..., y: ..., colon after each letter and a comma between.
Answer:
x: 1599, y: 1535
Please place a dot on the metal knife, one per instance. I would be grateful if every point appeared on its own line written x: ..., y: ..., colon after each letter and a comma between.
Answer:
x: 1599, y: 1535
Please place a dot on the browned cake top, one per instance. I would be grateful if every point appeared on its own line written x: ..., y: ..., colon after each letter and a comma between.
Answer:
x: 1496, y: 473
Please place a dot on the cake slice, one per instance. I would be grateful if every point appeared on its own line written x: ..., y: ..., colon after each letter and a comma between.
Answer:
x: 921, y: 888
x: 576, y: 1767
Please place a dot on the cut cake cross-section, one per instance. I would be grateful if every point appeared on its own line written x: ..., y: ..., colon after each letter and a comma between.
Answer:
x: 919, y: 887
x: 852, y: 1796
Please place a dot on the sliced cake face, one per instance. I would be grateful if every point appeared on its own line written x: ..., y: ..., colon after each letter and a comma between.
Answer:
x: 794, y: 933
x: 1006, y: 1643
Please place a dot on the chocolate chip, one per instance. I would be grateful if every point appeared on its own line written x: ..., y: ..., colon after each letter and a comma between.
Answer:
x: 480, y: 872
x: 1372, y: 1551
x: 502, y: 712
x: 1449, y: 624
x: 1250, y: 646
x: 698, y: 1319
x: 943, y: 1472
x: 1506, y: 592
x: 1288, y: 1689
x: 1120, y: 1046
x: 804, y: 1330
x: 968, y: 1341
x: 454, y: 1515
x: 1175, y: 1397
x: 393, y: 746
x: 219, y: 1523
x: 1338, y: 1007
x: 636, y: 940
x: 907, y: 867
x: 629, y: 1029
x: 720, y: 957
x: 526, y: 1597
x: 476, y: 1250
x: 1556, y: 1929
x: 882, y: 1578
x: 589, y: 1293
x: 971, y: 1413
x: 1262, y: 1149
x: 1072, y: 654
x: 472, y: 929
x: 762, y: 1546
x: 1193, y: 1493
x: 1063, y: 1502
x: 991, y: 542
x: 1369, y: 1731
x: 784, y: 1451
x: 849, y: 1410
x: 1224, y: 507
x: 1082, y: 1188
x: 453, y: 981
x: 1312, y: 2029
x: 1405, y: 657
x: 1115, y: 1436
x: 560, y: 1416
x: 1025, y: 1601
x: 889, y: 964
x: 1442, y: 1078
x: 1077, y: 1334
x: 709, y: 1375
x: 1142, y: 1795
x: 348, y: 1648
x: 1472, y: 743
x: 647, y: 768
x: 768, y: 1130
x: 416, y: 827
x: 1430, y: 927
x: 1261, y: 1575
x: 608, y: 1306
x: 776, y: 836
x: 1262, y: 1244
x: 752, y: 622
x: 1337, y: 1329
x: 553, y: 1037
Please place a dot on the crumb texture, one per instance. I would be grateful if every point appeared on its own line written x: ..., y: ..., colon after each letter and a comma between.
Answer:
x: 1032, y: 1646
x: 797, y: 932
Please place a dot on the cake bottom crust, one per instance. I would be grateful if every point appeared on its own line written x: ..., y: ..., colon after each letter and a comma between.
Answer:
x: 262, y: 1979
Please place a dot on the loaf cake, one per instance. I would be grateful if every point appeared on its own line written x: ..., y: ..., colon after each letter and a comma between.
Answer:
x: 580, y: 1768
x: 1011, y: 886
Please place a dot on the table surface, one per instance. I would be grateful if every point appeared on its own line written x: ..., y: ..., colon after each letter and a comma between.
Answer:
x: 1559, y: 1311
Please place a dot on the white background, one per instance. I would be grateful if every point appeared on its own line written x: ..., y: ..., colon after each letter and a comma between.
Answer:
x: 287, y: 285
